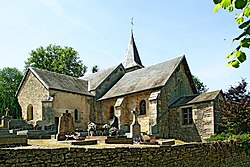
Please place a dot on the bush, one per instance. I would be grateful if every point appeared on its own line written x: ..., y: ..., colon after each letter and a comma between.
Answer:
x: 219, y: 137
x: 243, y: 139
x: 244, y: 142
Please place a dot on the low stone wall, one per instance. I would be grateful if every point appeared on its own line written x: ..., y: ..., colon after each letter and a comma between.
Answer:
x: 222, y: 154
x: 10, y: 140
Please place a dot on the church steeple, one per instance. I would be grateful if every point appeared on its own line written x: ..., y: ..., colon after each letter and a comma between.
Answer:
x: 132, y: 59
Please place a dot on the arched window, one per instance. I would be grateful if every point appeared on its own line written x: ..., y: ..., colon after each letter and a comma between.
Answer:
x: 143, y: 107
x: 29, y: 112
x: 76, y: 114
x: 111, y: 112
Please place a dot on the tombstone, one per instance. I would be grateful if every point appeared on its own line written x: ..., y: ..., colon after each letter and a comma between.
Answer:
x: 91, y: 128
x: 114, y: 122
x: 66, y: 125
x: 5, y: 119
x: 19, y: 124
x: 135, y: 127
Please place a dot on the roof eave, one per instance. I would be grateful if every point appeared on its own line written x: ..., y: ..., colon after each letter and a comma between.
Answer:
x: 56, y: 89
x: 125, y: 94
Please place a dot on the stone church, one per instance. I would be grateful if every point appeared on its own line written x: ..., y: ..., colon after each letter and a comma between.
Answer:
x: 163, y: 95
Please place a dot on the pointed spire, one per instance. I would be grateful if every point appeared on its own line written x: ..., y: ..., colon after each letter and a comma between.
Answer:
x: 132, y: 59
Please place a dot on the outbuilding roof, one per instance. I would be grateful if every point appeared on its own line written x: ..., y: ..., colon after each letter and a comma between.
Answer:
x: 203, y: 97
x: 207, y: 96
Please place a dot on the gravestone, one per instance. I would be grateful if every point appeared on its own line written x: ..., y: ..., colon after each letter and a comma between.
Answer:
x: 114, y: 122
x: 5, y: 119
x: 135, y: 127
x: 66, y: 125
x: 36, y: 134
x: 19, y: 124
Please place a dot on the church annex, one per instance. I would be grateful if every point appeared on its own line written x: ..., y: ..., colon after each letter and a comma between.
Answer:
x: 163, y: 95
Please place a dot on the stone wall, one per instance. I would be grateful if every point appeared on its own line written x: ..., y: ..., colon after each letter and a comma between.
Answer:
x: 32, y: 92
x: 68, y: 101
x: 203, y: 125
x: 177, y: 86
x: 204, y: 122
x: 212, y: 155
x: 129, y: 103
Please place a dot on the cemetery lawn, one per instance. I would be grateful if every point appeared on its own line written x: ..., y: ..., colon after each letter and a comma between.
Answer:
x: 52, y: 143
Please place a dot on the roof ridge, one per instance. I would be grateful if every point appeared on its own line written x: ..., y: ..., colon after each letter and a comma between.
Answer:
x: 157, y: 64
x: 45, y: 70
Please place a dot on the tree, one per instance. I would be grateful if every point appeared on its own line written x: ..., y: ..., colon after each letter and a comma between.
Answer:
x: 200, y: 86
x: 95, y: 69
x: 10, y: 79
x: 57, y: 59
x: 236, y: 109
x: 238, y: 55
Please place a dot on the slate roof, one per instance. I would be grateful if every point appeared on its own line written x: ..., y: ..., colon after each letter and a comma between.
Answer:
x: 132, y: 57
x: 151, y: 77
x: 182, y: 101
x: 56, y: 81
x: 97, y: 78
x: 208, y: 96
x: 203, y: 97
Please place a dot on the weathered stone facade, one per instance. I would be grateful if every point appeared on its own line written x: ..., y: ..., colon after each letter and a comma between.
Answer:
x: 123, y: 111
x: 212, y: 155
x: 32, y: 92
x: 49, y: 105
x: 69, y: 101
x: 204, y: 122
x: 178, y: 85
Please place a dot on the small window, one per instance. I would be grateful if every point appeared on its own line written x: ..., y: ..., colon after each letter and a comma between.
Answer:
x: 187, y: 116
x: 29, y: 112
x: 76, y: 114
x: 143, y: 107
x: 111, y: 112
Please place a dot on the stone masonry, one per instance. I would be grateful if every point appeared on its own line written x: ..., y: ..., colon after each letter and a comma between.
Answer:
x: 211, y: 154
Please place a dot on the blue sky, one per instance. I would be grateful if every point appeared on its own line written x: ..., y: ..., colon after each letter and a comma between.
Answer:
x: 100, y: 30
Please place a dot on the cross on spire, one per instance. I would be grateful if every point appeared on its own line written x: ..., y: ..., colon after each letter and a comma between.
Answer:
x: 132, y: 24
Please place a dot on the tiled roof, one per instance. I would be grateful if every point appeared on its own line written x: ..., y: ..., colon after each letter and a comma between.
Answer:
x: 143, y: 79
x: 56, y: 81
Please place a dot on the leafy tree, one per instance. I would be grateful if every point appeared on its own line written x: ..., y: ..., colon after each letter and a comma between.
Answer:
x: 242, y: 18
x: 95, y: 69
x: 57, y: 59
x: 10, y: 79
x: 200, y: 86
x: 236, y: 109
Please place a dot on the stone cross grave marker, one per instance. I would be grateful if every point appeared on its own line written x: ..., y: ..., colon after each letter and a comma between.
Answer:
x: 5, y: 119
x: 135, y: 127
x: 66, y: 125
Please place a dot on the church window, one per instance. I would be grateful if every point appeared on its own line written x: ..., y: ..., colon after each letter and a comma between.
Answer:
x: 76, y: 114
x: 29, y: 112
x: 111, y: 112
x: 143, y: 107
x: 187, y: 116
